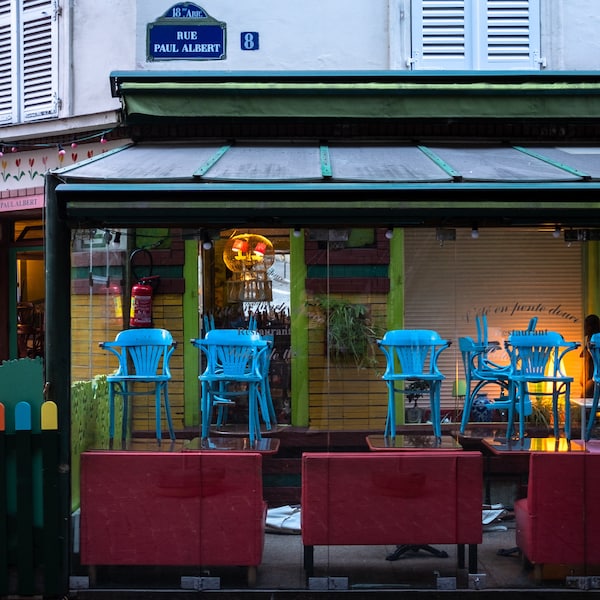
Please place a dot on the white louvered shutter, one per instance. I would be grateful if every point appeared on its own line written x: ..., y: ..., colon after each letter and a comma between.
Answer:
x: 475, y: 34
x: 511, y: 35
x: 8, y: 66
x: 439, y: 34
x: 39, y: 54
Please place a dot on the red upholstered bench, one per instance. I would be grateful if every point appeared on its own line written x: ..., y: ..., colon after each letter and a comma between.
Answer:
x: 558, y: 523
x: 392, y: 498
x: 172, y: 508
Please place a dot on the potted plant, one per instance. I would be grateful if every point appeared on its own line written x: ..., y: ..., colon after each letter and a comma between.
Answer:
x: 414, y: 413
x: 540, y: 420
x: 350, y: 336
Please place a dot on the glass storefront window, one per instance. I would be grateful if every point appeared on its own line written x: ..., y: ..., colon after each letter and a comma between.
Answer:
x: 332, y: 295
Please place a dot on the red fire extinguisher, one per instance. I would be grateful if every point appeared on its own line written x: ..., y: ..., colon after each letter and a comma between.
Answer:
x: 140, y: 312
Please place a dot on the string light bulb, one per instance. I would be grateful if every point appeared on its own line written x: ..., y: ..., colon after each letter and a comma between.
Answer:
x: 389, y: 234
x: 475, y: 233
x: 556, y: 232
x: 61, y: 150
x: 297, y: 232
x: 103, y: 139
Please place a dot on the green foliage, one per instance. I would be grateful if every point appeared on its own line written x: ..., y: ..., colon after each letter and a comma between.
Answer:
x: 350, y: 335
x: 418, y: 387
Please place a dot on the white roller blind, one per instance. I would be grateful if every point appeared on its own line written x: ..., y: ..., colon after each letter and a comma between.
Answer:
x: 510, y: 274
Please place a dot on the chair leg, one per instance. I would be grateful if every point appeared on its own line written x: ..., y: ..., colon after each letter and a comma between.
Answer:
x: 253, y: 416
x: 205, y: 409
x: 168, y: 412
x: 466, y: 409
x: 521, y: 398
x: 111, y: 411
x: 592, y: 417
x: 266, y: 405
x: 567, y: 394
x: 124, y: 425
x: 434, y: 403
x: 390, y: 422
x: 512, y: 393
x: 157, y: 413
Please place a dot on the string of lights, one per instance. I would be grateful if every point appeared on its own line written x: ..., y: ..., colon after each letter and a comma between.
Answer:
x: 13, y: 147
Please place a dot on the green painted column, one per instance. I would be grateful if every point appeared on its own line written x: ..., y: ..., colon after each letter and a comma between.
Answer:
x: 298, y: 332
x: 591, y: 278
x: 191, y: 321
x: 395, y: 308
x: 395, y: 316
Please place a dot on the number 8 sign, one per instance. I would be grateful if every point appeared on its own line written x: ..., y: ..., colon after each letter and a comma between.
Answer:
x: 249, y: 40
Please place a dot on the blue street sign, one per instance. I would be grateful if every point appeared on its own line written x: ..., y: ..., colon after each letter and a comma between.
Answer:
x: 186, y: 32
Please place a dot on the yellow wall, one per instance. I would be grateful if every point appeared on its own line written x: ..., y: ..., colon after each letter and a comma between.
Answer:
x: 346, y: 397
x: 94, y: 319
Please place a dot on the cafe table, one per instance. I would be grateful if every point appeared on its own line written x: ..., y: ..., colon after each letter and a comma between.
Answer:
x: 265, y: 445
x: 502, y: 446
x: 408, y: 442
x: 412, y: 442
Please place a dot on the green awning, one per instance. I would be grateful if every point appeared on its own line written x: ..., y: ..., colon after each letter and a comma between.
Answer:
x: 174, y: 95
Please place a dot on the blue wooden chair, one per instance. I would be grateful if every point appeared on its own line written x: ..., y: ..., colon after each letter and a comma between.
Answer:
x: 143, y: 356
x: 535, y: 359
x: 481, y: 371
x: 412, y: 355
x: 233, y: 356
x: 224, y: 401
x: 594, y: 348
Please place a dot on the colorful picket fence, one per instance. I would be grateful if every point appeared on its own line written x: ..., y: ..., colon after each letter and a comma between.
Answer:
x: 30, y: 540
x: 29, y: 502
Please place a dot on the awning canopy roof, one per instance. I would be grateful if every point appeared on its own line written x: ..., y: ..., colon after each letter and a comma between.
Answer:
x: 363, y: 167
x: 302, y: 184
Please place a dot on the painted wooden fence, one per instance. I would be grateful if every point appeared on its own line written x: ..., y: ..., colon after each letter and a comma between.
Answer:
x: 30, y: 541
x: 29, y: 502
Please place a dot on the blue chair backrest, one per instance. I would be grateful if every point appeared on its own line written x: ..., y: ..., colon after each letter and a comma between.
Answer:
x: 145, y: 349
x: 594, y: 348
x: 482, y: 328
x: 234, y: 353
x: 412, y: 352
x: 532, y: 352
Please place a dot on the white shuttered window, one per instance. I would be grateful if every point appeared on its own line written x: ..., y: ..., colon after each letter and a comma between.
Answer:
x: 475, y: 34
x: 28, y: 60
